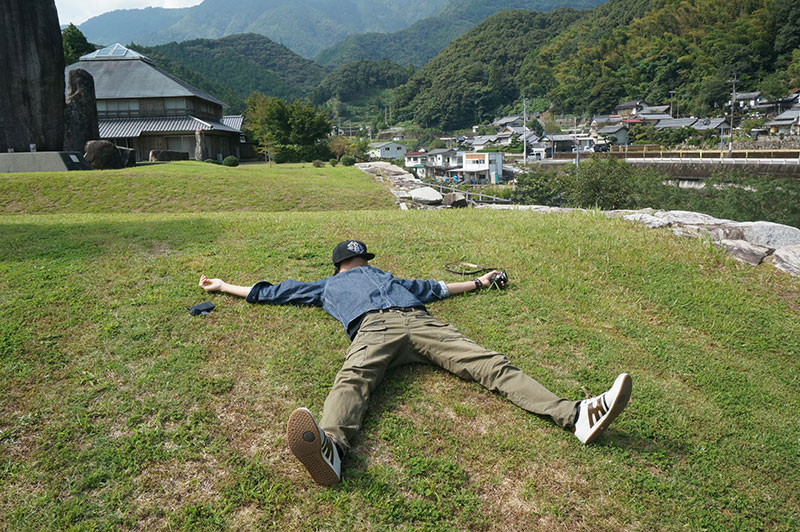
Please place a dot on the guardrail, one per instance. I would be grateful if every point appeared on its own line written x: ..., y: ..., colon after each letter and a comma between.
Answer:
x: 706, y: 160
x: 481, y: 197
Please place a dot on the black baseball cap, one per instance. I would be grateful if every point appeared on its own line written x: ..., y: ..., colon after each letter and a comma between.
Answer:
x: 349, y: 249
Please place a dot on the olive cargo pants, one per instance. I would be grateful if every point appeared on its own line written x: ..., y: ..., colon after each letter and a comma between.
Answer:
x: 392, y: 338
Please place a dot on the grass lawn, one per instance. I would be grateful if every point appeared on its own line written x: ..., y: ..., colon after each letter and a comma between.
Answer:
x: 120, y: 411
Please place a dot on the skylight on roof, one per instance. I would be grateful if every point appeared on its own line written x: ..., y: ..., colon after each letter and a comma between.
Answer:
x: 115, y: 51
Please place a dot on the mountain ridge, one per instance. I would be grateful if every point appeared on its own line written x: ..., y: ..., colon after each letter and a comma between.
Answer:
x: 305, y: 27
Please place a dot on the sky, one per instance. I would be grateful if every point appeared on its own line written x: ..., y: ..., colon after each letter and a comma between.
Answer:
x: 79, y: 11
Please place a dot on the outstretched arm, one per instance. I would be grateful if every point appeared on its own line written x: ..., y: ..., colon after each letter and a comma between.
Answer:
x: 467, y: 286
x: 218, y: 285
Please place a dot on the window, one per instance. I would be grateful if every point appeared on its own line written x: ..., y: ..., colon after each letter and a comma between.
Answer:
x: 117, y: 108
x: 175, y: 106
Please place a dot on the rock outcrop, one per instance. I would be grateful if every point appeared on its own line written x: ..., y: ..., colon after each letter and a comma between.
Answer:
x: 103, y: 155
x: 32, y: 82
x: 80, y: 115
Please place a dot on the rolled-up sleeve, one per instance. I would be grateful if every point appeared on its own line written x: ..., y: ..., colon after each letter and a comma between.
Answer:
x: 426, y: 291
x: 295, y: 292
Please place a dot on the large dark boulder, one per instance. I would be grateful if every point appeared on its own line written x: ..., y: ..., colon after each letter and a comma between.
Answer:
x: 32, y: 80
x: 127, y: 155
x: 103, y: 155
x: 81, y: 111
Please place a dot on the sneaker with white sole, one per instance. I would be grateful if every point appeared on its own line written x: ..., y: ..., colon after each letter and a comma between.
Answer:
x: 596, y: 413
x: 315, y: 450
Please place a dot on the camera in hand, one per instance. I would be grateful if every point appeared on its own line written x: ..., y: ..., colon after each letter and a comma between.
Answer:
x: 499, y: 280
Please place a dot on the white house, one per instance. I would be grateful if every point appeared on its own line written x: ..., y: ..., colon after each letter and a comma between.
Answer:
x: 386, y: 150
x: 480, y: 167
x: 415, y: 159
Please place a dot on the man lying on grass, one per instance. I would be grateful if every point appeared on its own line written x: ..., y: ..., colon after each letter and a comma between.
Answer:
x: 386, y: 319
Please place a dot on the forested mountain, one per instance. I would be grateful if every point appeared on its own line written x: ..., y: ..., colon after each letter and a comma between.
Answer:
x: 467, y: 82
x: 693, y: 48
x: 424, y: 39
x: 233, y: 67
x: 306, y: 26
x: 352, y: 80
x: 587, y: 62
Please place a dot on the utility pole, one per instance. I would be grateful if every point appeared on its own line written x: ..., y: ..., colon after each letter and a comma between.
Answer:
x: 524, y: 131
x: 671, y: 100
x: 733, y: 103
x: 577, y: 146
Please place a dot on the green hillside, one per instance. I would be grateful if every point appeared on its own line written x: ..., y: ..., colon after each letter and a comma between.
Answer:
x: 425, y: 38
x: 624, y: 49
x: 474, y: 75
x: 693, y: 48
x: 120, y: 411
x: 360, y: 90
x: 238, y: 65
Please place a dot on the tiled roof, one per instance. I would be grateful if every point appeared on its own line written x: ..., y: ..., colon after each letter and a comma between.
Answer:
x: 610, y: 129
x: 233, y: 121
x: 115, y: 128
x: 674, y: 123
x: 709, y: 123
x: 134, y: 76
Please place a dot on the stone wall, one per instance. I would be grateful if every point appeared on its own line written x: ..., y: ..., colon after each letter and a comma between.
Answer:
x: 32, y: 80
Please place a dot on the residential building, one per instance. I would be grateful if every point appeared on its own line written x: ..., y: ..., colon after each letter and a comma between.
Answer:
x: 675, y: 123
x: 718, y: 124
x: 479, y: 168
x: 786, y: 123
x: 626, y: 109
x: 561, y: 143
x: 439, y: 161
x: 506, y: 121
x: 142, y: 107
x: 386, y: 150
x: 616, y: 134
x: 416, y: 160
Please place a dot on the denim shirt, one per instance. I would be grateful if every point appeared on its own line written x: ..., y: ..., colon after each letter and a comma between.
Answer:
x: 348, y: 295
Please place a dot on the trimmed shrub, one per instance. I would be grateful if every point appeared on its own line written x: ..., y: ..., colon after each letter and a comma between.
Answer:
x: 230, y: 160
x: 348, y: 161
x: 334, y: 162
x: 212, y: 161
x: 317, y: 163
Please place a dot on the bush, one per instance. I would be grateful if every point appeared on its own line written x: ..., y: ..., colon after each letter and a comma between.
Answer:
x: 212, y: 161
x: 602, y: 182
x: 230, y: 160
x: 295, y: 153
x: 538, y: 187
x: 334, y: 162
x: 317, y: 163
x: 348, y: 161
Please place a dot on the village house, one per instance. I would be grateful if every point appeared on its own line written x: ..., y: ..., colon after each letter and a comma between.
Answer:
x: 386, y: 150
x: 415, y: 159
x: 615, y: 134
x: 507, y: 121
x: 786, y: 123
x: 478, y: 168
x: 439, y: 161
x: 142, y: 107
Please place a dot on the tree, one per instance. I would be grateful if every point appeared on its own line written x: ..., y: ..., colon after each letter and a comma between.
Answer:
x: 274, y: 123
x: 75, y: 44
x: 338, y: 146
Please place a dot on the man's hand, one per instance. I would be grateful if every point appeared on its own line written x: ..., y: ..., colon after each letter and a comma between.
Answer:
x: 218, y: 285
x: 210, y: 285
x: 486, y: 278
